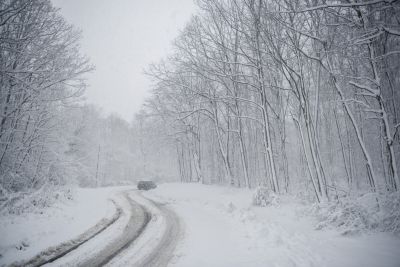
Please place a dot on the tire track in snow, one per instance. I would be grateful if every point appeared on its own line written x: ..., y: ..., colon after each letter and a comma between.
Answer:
x: 156, y: 245
x: 155, y: 248
x: 54, y: 253
x: 137, y: 223
x: 163, y: 253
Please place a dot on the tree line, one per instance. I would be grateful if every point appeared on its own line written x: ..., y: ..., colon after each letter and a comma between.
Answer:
x: 41, y: 72
x: 296, y: 95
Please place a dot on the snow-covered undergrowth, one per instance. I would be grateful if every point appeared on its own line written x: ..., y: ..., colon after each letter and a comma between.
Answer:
x: 263, y: 197
x: 369, y: 212
x: 224, y: 228
x: 32, y: 201
x: 37, y: 227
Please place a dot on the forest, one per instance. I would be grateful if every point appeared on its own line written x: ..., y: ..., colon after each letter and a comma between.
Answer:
x: 298, y: 96
x: 49, y: 136
x: 269, y: 135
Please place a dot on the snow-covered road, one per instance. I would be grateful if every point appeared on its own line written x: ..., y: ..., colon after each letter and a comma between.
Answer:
x: 193, y: 225
x: 156, y: 245
x: 145, y: 235
x: 107, y: 245
x: 140, y: 233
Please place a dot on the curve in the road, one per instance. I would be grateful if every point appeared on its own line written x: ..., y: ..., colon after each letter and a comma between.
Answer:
x: 159, y: 253
x: 139, y: 218
x: 162, y: 254
x: 137, y: 223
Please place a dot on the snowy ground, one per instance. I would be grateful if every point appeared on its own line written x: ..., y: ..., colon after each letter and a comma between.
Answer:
x: 109, y: 243
x: 24, y: 236
x: 155, y: 246
x: 222, y: 228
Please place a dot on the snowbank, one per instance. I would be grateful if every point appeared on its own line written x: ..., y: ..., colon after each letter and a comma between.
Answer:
x: 24, y: 236
x: 223, y: 228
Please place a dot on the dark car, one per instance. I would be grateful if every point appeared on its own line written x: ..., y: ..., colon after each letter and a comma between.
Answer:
x: 146, y: 185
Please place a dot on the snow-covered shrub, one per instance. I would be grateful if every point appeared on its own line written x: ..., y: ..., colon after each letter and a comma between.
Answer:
x: 231, y: 208
x: 33, y: 201
x: 369, y: 212
x: 264, y: 196
x: 390, y: 212
x: 349, y: 217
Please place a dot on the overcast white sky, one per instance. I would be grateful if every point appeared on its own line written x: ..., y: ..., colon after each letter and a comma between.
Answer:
x: 122, y: 37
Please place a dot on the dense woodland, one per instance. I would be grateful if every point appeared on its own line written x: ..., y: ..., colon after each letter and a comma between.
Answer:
x: 299, y: 96
x: 278, y: 122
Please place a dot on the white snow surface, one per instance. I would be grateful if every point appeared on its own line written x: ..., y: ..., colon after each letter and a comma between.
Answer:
x: 147, y: 241
x: 61, y: 222
x: 222, y: 228
x: 99, y: 242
